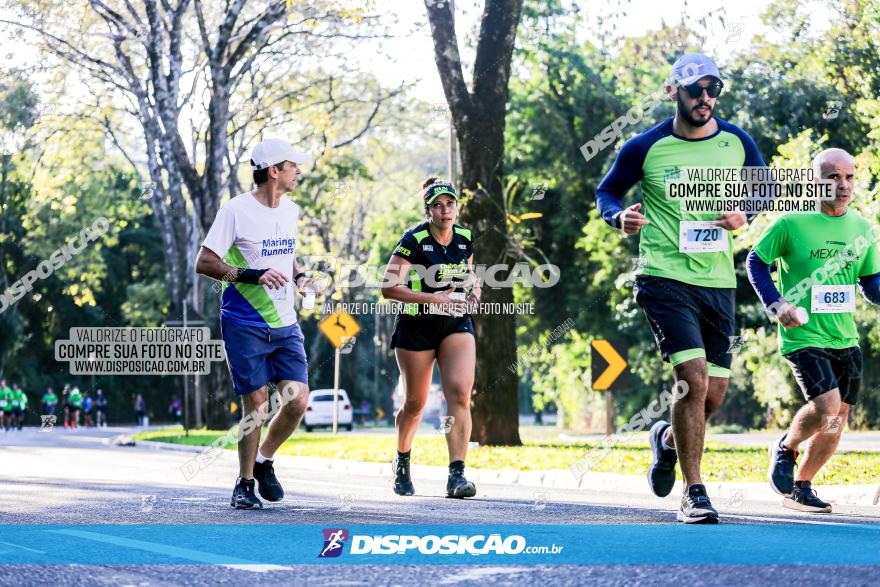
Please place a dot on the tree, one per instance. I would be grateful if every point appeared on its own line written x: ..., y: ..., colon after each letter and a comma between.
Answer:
x: 171, y: 71
x: 18, y: 105
x: 478, y: 115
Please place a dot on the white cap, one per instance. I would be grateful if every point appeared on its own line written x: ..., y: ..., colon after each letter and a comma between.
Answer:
x: 692, y: 67
x: 274, y: 151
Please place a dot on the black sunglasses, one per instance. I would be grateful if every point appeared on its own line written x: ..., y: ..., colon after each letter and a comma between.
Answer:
x: 695, y: 90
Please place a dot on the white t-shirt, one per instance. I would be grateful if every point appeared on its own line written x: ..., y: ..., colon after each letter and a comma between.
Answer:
x: 248, y: 234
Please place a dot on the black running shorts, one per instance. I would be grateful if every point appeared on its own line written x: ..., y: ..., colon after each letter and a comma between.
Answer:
x: 818, y: 371
x: 424, y: 333
x: 690, y: 321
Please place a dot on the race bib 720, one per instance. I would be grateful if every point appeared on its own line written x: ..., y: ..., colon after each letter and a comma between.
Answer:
x: 701, y: 237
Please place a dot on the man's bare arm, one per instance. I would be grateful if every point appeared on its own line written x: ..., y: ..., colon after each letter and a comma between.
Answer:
x: 210, y: 264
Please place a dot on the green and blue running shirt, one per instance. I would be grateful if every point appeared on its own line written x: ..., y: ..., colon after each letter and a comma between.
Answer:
x: 652, y: 159
x: 249, y: 235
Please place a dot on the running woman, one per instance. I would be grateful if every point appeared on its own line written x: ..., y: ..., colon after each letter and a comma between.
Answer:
x: 820, y: 259
x: 251, y: 249
x: 429, y: 271
x: 686, y: 285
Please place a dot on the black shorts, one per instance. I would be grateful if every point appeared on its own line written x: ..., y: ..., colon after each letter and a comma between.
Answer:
x: 689, y: 321
x: 818, y: 371
x: 425, y: 333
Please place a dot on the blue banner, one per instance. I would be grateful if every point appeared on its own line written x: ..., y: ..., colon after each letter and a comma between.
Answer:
x: 277, y: 544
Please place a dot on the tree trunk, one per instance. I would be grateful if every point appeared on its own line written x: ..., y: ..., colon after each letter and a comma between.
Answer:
x: 479, y: 119
x: 495, y: 406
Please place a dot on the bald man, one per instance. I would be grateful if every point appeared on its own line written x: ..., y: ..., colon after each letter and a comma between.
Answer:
x: 821, y: 258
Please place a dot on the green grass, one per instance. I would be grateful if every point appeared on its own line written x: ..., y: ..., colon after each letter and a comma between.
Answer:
x: 544, y: 450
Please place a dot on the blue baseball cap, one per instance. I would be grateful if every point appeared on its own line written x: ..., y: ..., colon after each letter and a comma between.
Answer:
x: 692, y: 67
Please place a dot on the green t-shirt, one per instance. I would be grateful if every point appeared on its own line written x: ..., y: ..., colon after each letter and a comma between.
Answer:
x: 815, y: 253
x: 655, y: 158
x: 6, y: 399
x: 18, y: 398
x: 50, y: 398
x: 76, y: 399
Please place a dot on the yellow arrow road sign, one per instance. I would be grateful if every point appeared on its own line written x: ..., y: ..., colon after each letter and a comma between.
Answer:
x: 338, y: 327
x: 616, y: 364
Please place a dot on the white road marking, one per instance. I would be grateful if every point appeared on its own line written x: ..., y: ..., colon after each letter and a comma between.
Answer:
x: 802, y: 521
x: 258, y: 568
x: 175, y: 551
x: 23, y: 547
x: 481, y: 574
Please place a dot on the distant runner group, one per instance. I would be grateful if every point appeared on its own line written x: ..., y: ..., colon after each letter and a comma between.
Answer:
x: 73, y: 403
x: 13, y: 405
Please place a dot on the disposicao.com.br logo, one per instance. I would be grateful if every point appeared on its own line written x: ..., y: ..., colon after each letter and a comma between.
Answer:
x: 334, y: 540
x: 431, y: 544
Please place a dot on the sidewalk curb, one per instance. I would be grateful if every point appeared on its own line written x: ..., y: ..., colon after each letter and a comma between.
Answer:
x: 730, y: 493
x: 168, y: 446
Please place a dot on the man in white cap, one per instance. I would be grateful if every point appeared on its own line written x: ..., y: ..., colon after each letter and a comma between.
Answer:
x: 687, y: 285
x: 251, y: 248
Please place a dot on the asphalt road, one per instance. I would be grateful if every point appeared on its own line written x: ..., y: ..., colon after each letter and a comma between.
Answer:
x: 75, y: 478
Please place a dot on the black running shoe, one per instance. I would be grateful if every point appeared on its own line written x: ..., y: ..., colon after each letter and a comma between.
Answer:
x: 781, y: 470
x: 402, y: 481
x: 661, y: 473
x: 457, y: 486
x: 269, y: 487
x: 696, y: 507
x: 803, y: 498
x: 243, y: 496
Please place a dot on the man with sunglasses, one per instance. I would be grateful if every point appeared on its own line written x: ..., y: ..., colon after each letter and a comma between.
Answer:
x: 686, y: 284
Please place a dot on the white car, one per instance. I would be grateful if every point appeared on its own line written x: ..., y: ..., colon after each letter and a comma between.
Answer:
x: 319, y: 410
